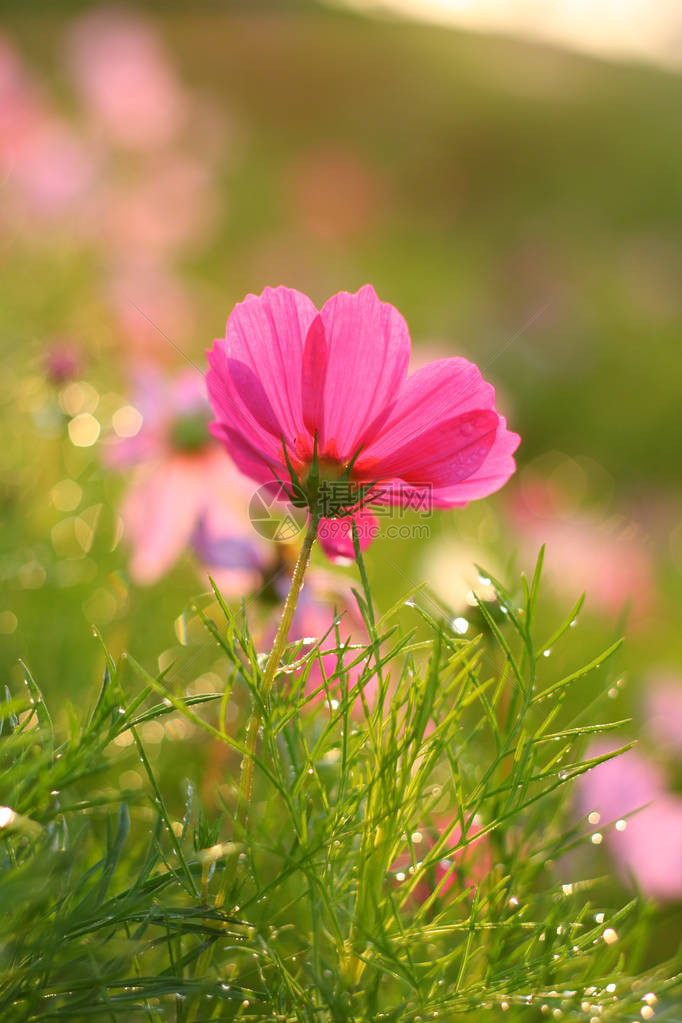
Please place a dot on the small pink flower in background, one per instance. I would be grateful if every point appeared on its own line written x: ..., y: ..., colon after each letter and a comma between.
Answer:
x: 606, y: 557
x: 455, y: 870
x: 21, y: 104
x: 325, y: 597
x: 152, y: 310
x: 182, y: 488
x: 47, y: 168
x: 663, y: 710
x: 53, y: 169
x: 649, y: 846
x: 63, y: 360
x: 164, y: 210
x: 286, y: 374
x: 125, y: 79
x: 335, y: 194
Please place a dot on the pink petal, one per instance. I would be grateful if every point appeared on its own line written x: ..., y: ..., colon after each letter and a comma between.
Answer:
x: 443, y: 455
x: 313, y: 376
x: 267, y: 334
x: 440, y: 391
x: 336, y: 535
x: 236, y: 421
x: 251, y: 460
x: 252, y: 394
x: 493, y: 473
x: 369, y: 350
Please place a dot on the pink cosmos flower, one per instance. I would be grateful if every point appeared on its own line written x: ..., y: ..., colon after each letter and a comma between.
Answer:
x: 288, y: 382
x: 183, y: 488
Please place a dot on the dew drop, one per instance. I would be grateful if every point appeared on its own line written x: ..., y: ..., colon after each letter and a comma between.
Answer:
x: 7, y: 815
x: 597, y: 838
x: 610, y: 936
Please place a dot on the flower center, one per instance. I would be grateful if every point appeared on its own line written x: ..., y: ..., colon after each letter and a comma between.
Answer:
x: 190, y: 432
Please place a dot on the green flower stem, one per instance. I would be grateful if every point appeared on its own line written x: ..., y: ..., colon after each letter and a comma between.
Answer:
x: 278, y: 647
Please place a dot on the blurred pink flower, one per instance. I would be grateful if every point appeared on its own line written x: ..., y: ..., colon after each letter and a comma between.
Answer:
x: 125, y: 79
x: 165, y: 210
x: 152, y: 309
x: 325, y: 597
x: 62, y: 360
x: 455, y: 870
x: 182, y: 485
x: 46, y: 166
x: 335, y: 194
x: 663, y: 710
x: 286, y: 374
x: 650, y: 845
x: 604, y: 556
x: 52, y: 168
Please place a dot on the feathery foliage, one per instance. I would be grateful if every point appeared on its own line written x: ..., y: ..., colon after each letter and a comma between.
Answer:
x: 409, y: 851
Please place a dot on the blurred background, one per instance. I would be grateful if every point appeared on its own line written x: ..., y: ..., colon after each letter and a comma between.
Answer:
x: 508, y: 174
